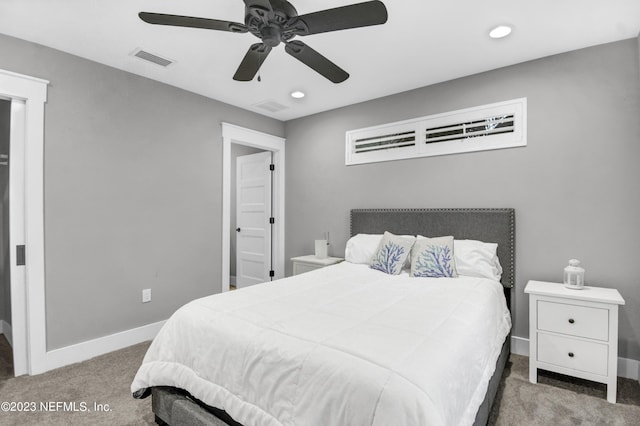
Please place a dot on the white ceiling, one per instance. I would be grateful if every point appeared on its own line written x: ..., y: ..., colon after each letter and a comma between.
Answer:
x: 423, y: 42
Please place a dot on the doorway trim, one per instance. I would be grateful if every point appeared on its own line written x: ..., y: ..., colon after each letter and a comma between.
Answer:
x: 28, y: 313
x: 242, y: 136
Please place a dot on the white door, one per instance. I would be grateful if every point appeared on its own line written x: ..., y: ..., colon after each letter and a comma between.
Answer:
x: 17, y: 239
x: 253, y: 212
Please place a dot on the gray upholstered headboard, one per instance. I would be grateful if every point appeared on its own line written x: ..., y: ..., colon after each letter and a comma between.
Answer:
x: 489, y: 225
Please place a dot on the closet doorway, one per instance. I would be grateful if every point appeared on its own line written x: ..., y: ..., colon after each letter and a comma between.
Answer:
x: 13, y: 317
x: 233, y: 135
x: 23, y: 256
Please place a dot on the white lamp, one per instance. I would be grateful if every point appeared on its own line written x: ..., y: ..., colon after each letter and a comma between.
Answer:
x: 322, y: 247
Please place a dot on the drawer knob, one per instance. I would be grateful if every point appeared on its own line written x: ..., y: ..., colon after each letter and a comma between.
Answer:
x: 571, y: 321
x: 570, y: 354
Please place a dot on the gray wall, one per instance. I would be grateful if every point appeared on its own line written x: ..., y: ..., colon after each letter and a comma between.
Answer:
x: 237, y: 150
x: 5, y: 273
x: 133, y: 181
x: 574, y: 187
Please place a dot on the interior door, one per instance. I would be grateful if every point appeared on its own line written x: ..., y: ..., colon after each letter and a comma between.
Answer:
x: 253, y: 213
x: 17, y: 239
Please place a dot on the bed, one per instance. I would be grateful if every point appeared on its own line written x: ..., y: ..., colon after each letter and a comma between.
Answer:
x: 345, y: 344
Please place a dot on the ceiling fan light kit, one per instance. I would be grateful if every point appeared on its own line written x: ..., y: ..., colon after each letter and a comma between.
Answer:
x: 277, y: 21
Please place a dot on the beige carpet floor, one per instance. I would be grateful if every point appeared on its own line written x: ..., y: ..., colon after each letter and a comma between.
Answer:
x: 102, y: 380
x: 555, y: 400
x: 561, y: 400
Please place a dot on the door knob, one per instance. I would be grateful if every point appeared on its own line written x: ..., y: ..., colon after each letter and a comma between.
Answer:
x: 237, y: 229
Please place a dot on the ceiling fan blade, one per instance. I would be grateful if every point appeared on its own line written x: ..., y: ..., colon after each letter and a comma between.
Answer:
x: 264, y: 4
x: 340, y: 18
x: 191, y: 22
x: 252, y: 62
x: 316, y: 61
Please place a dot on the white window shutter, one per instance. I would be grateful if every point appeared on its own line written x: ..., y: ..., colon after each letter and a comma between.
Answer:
x: 494, y: 126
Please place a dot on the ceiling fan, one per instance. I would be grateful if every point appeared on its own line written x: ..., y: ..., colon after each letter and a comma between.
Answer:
x: 277, y: 21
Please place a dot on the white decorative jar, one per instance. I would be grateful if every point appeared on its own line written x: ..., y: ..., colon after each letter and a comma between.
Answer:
x: 574, y: 275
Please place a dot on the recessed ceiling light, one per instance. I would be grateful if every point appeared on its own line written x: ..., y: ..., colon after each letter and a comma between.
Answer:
x: 297, y: 94
x: 500, y: 31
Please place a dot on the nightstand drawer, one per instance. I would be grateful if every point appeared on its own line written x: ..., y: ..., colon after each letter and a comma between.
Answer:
x: 301, y: 268
x: 579, y: 355
x: 302, y: 264
x: 582, y: 321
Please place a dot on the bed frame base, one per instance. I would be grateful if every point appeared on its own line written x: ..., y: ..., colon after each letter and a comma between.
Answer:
x: 173, y: 406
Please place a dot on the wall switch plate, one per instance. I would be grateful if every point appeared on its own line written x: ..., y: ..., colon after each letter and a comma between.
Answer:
x: 146, y: 295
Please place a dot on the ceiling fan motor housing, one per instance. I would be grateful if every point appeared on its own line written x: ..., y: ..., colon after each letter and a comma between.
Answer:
x: 270, y: 25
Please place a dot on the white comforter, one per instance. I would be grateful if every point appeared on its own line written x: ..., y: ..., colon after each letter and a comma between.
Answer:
x: 342, y: 345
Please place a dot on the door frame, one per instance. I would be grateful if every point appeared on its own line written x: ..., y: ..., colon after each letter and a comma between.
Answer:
x: 243, y: 136
x: 28, y: 304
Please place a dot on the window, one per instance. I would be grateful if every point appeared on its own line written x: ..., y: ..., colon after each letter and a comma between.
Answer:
x: 494, y: 126
x: 384, y: 142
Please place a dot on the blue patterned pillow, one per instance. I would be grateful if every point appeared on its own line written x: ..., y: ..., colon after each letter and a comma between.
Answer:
x: 433, y: 257
x: 392, y: 252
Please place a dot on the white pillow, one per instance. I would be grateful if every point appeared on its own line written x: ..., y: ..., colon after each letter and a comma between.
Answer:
x: 361, y: 248
x: 392, y: 253
x: 477, y: 259
x: 433, y: 257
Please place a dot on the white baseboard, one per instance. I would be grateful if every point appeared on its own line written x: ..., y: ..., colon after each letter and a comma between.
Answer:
x: 5, y: 328
x: 627, y: 368
x: 83, y: 351
x: 519, y: 346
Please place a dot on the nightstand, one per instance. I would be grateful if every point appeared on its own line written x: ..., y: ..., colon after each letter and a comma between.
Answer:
x: 303, y: 264
x: 574, y: 332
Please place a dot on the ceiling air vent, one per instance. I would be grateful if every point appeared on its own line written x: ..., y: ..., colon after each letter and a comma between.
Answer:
x: 271, y: 106
x: 150, y: 57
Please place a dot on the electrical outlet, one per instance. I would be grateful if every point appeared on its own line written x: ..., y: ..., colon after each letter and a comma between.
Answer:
x: 146, y: 295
